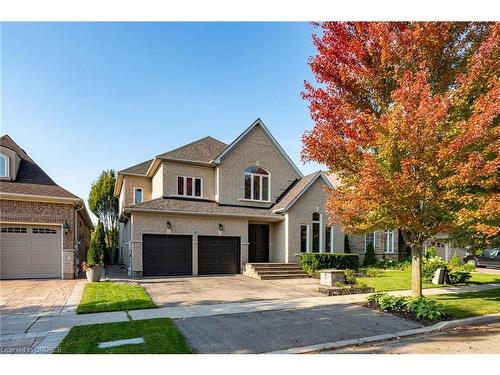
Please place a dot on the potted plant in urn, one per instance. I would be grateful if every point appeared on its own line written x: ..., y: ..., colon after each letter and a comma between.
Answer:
x: 94, y: 263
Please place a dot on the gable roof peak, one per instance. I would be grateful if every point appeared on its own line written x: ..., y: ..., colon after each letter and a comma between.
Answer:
x: 269, y: 136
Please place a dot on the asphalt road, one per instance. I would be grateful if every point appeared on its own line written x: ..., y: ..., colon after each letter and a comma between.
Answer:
x: 268, y: 331
x: 482, y: 339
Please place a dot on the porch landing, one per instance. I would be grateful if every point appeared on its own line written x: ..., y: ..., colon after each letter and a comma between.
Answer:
x: 274, y: 271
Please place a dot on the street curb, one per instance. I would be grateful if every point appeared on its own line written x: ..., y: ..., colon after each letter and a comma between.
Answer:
x: 484, y: 319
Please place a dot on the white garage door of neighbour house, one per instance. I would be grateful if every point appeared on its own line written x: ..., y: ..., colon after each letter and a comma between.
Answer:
x: 29, y: 251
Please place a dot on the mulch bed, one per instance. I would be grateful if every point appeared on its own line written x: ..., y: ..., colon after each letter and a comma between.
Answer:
x: 333, y: 291
x: 406, y: 315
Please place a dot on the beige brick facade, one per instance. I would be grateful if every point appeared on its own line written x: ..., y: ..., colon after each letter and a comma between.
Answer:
x: 173, y: 170
x: 12, y: 211
x: 255, y: 149
x: 357, y: 244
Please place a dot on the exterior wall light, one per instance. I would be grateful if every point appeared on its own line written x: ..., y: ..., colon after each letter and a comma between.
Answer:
x: 66, y: 227
x: 221, y: 227
x: 169, y: 225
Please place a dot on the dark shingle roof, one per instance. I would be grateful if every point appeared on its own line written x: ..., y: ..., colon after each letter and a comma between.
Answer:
x: 200, y: 206
x: 295, y: 191
x: 30, y: 179
x: 203, y: 151
x: 140, y: 168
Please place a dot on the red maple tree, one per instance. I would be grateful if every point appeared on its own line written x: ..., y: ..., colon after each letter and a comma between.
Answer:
x: 406, y: 115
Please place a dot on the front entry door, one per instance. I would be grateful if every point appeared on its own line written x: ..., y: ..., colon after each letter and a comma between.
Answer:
x: 258, y: 237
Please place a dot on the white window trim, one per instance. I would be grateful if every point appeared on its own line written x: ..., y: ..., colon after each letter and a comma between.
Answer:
x: 308, y: 237
x: 386, y: 242
x: 7, y: 165
x: 142, y: 194
x: 184, y: 181
x: 268, y: 175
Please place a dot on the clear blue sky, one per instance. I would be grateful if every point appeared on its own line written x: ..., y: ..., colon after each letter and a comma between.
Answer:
x: 82, y: 97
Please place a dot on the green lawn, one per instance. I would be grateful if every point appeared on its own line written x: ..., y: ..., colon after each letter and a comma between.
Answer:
x: 108, y: 296
x: 399, y: 280
x: 464, y: 305
x: 160, y: 337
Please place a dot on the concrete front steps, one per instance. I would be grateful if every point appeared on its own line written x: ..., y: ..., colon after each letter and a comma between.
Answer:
x: 274, y: 271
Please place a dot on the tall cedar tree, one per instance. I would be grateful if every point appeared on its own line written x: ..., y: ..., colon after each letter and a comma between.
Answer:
x: 104, y: 205
x: 406, y: 115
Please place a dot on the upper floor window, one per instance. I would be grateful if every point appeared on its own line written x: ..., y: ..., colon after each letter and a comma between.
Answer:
x: 137, y: 195
x: 389, y: 241
x: 257, y: 184
x: 4, y: 165
x: 189, y: 186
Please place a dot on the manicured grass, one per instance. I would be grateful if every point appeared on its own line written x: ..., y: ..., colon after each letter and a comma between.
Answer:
x: 160, y: 337
x: 464, y: 305
x: 108, y: 296
x: 400, y: 280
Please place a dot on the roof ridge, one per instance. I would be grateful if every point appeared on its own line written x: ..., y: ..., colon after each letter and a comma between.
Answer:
x: 189, y: 144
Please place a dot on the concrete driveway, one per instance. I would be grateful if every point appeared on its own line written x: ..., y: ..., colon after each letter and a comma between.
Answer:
x: 261, y: 332
x: 170, y: 292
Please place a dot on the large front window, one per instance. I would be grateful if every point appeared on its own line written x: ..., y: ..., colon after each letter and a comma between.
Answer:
x: 389, y: 241
x: 369, y: 239
x: 189, y: 186
x: 257, y: 184
x: 328, y: 239
x: 304, y: 238
x: 316, y: 219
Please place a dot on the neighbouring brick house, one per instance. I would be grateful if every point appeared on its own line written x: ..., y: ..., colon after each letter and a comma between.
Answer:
x: 214, y: 208
x: 44, y: 229
x: 387, y: 243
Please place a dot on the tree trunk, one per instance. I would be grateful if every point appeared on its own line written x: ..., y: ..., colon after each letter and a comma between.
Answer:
x: 416, y: 270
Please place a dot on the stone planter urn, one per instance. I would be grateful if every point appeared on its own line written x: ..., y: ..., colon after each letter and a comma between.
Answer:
x: 94, y: 274
x: 330, y: 277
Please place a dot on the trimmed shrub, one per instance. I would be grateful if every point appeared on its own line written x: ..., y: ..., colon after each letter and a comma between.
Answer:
x: 430, y: 266
x: 349, y: 277
x: 372, y: 272
x: 311, y: 263
x: 96, y: 246
x: 459, y: 275
x: 370, y: 258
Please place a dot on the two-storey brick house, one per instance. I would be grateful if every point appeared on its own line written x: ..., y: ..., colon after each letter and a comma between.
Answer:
x: 210, y: 208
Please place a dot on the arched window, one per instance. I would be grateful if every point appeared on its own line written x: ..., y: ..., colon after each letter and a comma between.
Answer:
x: 4, y: 165
x: 316, y: 220
x: 257, y: 182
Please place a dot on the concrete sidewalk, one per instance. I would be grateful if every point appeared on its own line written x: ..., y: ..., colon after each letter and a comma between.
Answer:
x: 18, y: 328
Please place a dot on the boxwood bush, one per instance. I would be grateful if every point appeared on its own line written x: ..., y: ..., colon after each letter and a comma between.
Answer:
x: 311, y: 263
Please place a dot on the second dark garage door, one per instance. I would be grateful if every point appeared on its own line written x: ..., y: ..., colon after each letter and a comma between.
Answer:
x: 218, y: 255
x: 167, y: 255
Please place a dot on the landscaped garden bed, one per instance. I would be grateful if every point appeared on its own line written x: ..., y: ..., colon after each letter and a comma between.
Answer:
x: 345, y: 290
x: 160, y: 336
x: 110, y: 296
x: 429, y: 310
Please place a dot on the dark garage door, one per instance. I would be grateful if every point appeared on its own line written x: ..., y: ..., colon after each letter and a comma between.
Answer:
x: 167, y: 255
x: 218, y: 255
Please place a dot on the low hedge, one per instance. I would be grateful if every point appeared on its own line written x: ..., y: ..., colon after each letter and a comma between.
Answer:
x: 311, y: 263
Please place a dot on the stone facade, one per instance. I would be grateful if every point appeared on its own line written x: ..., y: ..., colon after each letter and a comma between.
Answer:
x: 28, y: 212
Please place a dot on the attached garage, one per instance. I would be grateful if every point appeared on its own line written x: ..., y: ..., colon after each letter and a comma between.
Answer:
x: 29, y: 251
x: 218, y: 255
x: 167, y: 255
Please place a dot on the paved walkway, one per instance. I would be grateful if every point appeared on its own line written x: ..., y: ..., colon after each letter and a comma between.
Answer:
x: 54, y: 328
